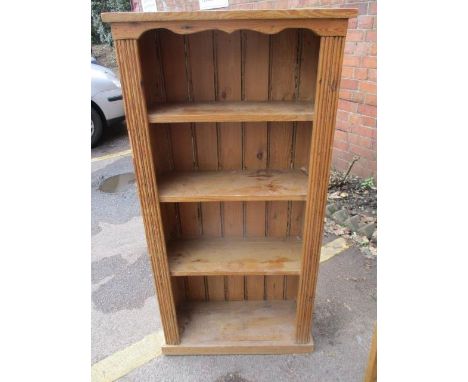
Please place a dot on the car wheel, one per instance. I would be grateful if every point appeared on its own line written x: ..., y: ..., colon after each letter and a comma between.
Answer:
x: 97, y: 127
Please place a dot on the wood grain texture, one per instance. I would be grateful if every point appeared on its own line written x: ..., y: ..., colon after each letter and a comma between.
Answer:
x: 211, y: 95
x: 304, y: 90
x: 177, y: 76
x: 321, y: 27
x: 328, y: 79
x: 267, y: 14
x: 238, y: 327
x: 284, y: 48
x: 145, y: 171
x: 255, y: 80
x: 228, y: 348
x: 227, y: 53
x: 246, y: 111
x: 200, y: 66
x: 234, y: 185
x: 234, y: 257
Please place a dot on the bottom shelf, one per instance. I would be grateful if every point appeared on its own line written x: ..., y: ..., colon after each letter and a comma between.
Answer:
x: 237, y: 327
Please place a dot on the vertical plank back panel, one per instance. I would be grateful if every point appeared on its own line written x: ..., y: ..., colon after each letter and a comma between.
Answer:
x: 305, y: 90
x: 201, y: 62
x: 153, y: 87
x: 256, y: 53
x: 228, y: 88
x: 282, y: 87
x: 176, y: 80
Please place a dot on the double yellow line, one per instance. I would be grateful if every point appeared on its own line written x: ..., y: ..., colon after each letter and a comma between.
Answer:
x: 114, y: 155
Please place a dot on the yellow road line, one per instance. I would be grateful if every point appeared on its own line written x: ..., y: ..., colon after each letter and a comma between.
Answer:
x: 124, y: 361
x: 333, y: 248
x: 114, y: 155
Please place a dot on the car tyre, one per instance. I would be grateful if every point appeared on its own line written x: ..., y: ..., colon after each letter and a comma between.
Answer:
x: 97, y: 127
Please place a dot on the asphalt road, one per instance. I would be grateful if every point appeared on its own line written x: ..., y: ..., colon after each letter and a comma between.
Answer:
x: 114, y: 140
x: 124, y: 308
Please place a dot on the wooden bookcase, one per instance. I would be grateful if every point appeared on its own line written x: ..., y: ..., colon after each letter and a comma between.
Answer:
x: 231, y: 118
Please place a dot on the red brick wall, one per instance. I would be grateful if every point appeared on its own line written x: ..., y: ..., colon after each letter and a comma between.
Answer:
x: 356, y: 125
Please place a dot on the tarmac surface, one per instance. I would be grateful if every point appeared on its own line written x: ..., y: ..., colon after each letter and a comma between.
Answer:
x: 125, y: 311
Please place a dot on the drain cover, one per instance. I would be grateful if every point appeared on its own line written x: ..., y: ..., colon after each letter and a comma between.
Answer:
x: 118, y: 183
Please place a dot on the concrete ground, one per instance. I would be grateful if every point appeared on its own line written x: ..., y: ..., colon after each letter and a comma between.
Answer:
x: 124, y: 307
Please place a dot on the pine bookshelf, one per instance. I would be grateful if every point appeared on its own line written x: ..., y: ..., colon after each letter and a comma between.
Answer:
x: 231, y: 117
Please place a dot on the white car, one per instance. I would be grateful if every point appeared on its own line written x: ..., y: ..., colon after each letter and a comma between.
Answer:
x: 106, y: 100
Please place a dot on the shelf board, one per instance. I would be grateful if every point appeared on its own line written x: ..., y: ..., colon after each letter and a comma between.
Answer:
x: 211, y: 186
x: 243, y: 111
x: 212, y: 257
x: 237, y: 327
x: 224, y: 15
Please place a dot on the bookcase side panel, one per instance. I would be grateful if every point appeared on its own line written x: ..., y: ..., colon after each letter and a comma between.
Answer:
x: 328, y: 79
x: 138, y: 128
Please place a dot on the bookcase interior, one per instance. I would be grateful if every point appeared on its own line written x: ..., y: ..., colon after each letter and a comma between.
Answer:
x: 240, y: 77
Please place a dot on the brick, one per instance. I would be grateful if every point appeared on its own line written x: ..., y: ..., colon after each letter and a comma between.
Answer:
x: 341, y: 145
x: 370, y: 111
x: 360, y: 73
x: 348, y: 106
x: 342, y: 154
x: 369, y: 164
x: 371, y: 36
x: 355, y: 35
x: 369, y: 121
x: 362, y: 152
x: 343, y: 125
x: 369, y: 62
x: 362, y: 49
x: 372, y: 10
x: 346, y: 94
x: 359, y: 140
x: 349, y: 84
x: 373, y: 49
x: 352, y: 23
x: 342, y: 115
x: 372, y: 74
x: 370, y: 99
x: 365, y: 131
x: 368, y: 87
x: 328, y: 2
x: 341, y: 135
x: 351, y: 60
x: 339, y: 164
x: 361, y: 7
x: 350, y: 47
x: 359, y: 97
x: 359, y: 170
x: 365, y: 22
x: 352, y: 95
x: 347, y: 72
x: 355, y: 119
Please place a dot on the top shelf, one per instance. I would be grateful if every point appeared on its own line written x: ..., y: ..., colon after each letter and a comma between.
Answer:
x: 243, y: 111
x: 259, y: 14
